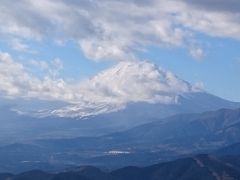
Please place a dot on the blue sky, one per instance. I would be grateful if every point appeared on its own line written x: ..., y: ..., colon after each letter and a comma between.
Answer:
x: 218, y: 69
x: 197, y: 42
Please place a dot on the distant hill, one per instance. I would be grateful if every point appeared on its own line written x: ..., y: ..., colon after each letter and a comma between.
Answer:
x: 186, y: 133
x: 158, y: 141
x: 200, y: 167
x: 233, y: 149
x: 196, y: 131
x: 40, y: 124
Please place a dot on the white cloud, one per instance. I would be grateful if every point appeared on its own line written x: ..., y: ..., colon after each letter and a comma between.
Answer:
x: 133, y: 82
x: 197, y: 53
x: 126, y: 82
x: 198, y: 86
x: 15, y: 81
x: 110, y: 90
x: 9, y: 75
x: 113, y: 29
x: 212, y: 23
x: 109, y: 29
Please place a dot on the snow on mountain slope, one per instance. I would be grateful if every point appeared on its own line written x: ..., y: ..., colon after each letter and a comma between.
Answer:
x: 126, y: 82
x: 136, y: 90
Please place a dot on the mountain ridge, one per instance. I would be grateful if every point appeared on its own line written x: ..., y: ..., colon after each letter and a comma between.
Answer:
x: 165, y: 139
x: 198, y: 167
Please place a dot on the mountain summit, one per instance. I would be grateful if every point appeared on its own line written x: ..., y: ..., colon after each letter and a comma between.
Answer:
x: 141, y: 89
x: 125, y: 83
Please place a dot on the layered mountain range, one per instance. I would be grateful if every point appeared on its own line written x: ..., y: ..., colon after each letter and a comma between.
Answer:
x: 133, y: 114
x: 125, y: 96
x: 199, y: 167
x: 161, y: 140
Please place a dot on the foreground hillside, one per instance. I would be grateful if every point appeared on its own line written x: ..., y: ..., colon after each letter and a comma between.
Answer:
x: 200, y: 167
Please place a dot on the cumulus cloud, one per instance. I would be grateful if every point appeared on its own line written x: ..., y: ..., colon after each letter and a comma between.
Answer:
x: 15, y: 81
x: 126, y: 82
x: 110, y: 90
x: 109, y: 29
x: 114, y: 29
x: 134, y: 82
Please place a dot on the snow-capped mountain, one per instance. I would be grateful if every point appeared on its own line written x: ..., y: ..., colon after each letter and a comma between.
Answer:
x: 128, y: 94
x: 127, y: 82
x: 139, y: 90
x: 122, y: 97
